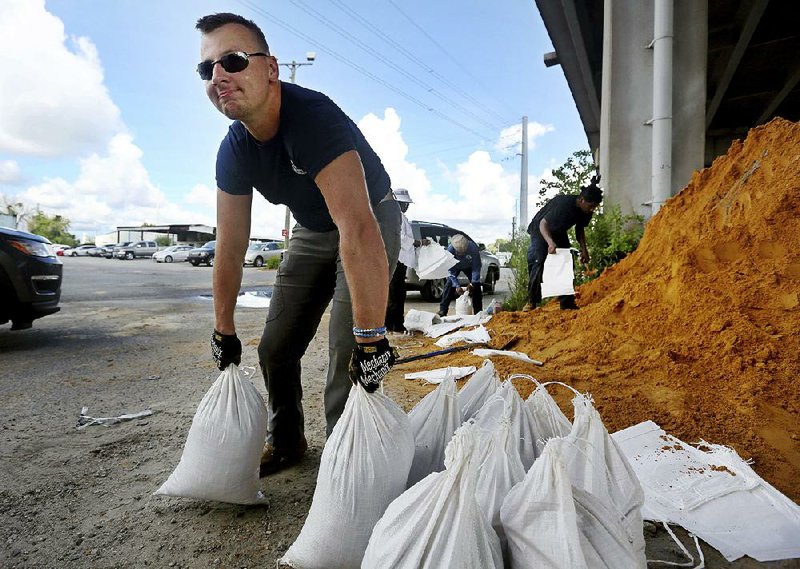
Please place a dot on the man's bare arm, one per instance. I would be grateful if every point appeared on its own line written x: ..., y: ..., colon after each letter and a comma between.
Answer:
x: 361, y: 246
x: 233, y: 236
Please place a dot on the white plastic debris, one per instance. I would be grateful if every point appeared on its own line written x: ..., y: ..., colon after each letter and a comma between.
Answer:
x: 486, y: 352
x: 477, y: 335
x: 439, y: 374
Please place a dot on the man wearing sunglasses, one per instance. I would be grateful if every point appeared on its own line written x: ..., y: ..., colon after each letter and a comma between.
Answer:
x: 296, y: 147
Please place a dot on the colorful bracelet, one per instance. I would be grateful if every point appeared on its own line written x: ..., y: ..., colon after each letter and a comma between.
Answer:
x: 369, y: 332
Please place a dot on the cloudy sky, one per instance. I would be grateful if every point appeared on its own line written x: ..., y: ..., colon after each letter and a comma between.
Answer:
x: 103, y: 119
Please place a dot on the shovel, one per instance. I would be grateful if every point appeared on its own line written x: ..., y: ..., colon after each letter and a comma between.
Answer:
x: 507, y: 343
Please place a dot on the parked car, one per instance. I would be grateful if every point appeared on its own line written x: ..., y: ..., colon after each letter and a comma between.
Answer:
x: 111, y: 250
x: 80, y: 251
x: 258, y: 253
x: 432, y: 289
x: 173, y: 253
x: 136, y: 250
x: 30, y: 278
x: 98, y: 251
x: 204, y: 254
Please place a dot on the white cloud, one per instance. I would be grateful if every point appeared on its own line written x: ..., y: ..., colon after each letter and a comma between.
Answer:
x: 510, y: 138
x: 485, y: 197
x: 386, y: 139
x: 114, y: 189
x: 52, y: 97
x: 10, y: 172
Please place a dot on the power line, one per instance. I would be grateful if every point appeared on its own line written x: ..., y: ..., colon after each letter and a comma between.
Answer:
x: 277, y: 21
x: 372, y: 52
x: 447, y: 53
x: 409, y: 55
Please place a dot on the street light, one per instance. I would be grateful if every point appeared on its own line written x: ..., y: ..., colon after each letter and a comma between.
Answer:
x: 310, y: 57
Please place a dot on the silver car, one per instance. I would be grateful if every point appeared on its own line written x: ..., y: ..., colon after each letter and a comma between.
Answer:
x: 173, y: 253
x: 258, y: 253
x: 431, y: 290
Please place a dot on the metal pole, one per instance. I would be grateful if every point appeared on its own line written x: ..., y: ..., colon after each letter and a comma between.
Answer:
x: 523, y: 182
x: 288, y: 220
x: 662, y: 104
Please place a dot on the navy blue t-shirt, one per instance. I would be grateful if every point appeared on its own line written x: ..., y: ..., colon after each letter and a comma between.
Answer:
x: 313, y: 131
x: 561, y: 213
x: 470, y: 262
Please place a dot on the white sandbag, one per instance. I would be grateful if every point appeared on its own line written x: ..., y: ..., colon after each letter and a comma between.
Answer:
x: 597, y: 465
x: 548, y: 419
x: 558, y: 274
x: 522, y: 430
x: 437, y: 523
x: 433, y: 422
x: 550, y: 525
x: 364, y: 466
x: 502, y: 469
x: 483, y: 384
x: 464, y: 305
x: 479, y: 335
x: 221, y: 457
x: 420, y: 320
x: 434, y: 261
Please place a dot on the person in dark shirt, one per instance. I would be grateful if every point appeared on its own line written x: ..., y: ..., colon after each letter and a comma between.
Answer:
x: 548, y: 231
x: 468, y: 256
x: 296, y: 147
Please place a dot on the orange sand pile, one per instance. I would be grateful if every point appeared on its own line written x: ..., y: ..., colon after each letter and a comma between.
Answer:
x: 699, y: 329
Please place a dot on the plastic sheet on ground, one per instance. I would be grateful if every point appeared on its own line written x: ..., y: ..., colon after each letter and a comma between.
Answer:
x: 440, y: 374
x: 714, y: 494
x: 450, y: 323
x: 558, y: 274
x: 420, y: 320
x: 252, y: 299
x: 477, y: 335
x: 486, y: 352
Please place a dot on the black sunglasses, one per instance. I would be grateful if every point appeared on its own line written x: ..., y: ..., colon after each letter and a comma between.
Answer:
x: 232, y: 63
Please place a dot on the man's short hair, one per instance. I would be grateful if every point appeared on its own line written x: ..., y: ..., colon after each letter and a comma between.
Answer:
x: 459, y: 243
x: 209, y: 23
x: 592, y: 194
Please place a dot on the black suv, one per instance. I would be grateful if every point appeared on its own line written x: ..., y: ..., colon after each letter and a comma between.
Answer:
x: 431, y: 290
x: 204, y: 254
x: 30, y: 278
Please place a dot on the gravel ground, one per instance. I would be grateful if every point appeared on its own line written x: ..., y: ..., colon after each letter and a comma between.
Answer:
x: 132, y: 335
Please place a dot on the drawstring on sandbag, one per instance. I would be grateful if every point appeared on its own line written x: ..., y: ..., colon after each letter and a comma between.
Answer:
x: 689, y: 563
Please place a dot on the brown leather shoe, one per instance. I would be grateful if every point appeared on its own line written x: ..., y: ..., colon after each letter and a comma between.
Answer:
x: 275, y: 459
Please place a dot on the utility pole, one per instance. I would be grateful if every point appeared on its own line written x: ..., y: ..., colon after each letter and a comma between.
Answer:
x: 523, y: 182
x: 310, y: 57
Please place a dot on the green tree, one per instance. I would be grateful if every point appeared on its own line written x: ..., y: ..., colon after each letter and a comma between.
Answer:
x: 55, y: 228
x: 568, y: 178
x: 163, y: 241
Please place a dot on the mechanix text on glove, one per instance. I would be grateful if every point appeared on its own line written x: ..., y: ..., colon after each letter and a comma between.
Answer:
x: 371, y: 362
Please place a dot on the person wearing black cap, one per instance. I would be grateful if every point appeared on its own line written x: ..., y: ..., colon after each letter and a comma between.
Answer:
x: 548, y: 230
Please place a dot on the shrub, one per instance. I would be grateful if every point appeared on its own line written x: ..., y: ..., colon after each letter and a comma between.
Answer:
x: 272, y: 263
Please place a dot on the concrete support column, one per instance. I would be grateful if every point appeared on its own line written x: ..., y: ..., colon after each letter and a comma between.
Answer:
x: 627, y: 111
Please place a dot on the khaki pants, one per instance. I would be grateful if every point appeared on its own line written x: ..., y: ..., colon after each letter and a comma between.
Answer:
x: 309, y: 277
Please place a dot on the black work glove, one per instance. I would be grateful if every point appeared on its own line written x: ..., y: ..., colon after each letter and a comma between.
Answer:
x: 226, y: 349
x: 371, y: 362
